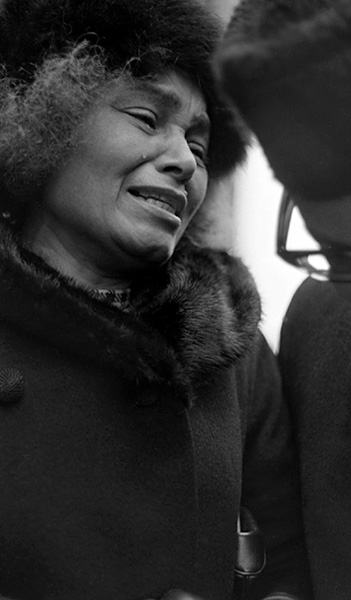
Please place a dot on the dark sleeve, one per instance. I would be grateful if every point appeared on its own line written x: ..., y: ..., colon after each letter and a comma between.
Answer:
x: 271, y: 479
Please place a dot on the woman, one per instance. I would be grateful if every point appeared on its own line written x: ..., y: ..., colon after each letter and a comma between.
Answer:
x: 140, y: 407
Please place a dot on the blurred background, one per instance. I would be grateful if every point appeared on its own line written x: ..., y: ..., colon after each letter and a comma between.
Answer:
x: 257, y: 197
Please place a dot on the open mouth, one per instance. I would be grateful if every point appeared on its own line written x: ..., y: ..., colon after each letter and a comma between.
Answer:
x: 169, y: 201
x: 156, y: 202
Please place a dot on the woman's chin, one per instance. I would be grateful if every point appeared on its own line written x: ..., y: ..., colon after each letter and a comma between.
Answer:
x: 158, y: 256
x: 152, y: 255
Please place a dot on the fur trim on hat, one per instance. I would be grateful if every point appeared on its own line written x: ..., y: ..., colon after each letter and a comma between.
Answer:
x: 126, y: 29
x: 287, y: 66
x: 150, y: 36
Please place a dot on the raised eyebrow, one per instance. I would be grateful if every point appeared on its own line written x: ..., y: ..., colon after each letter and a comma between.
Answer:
x: 171, y: 100
x: 164, y: 98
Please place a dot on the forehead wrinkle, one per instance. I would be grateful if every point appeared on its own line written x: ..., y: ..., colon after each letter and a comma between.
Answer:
x: 165, y: 98
x: 169, y: 99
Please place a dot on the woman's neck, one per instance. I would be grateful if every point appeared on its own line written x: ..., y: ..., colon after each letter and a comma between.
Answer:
x: 71, y: 260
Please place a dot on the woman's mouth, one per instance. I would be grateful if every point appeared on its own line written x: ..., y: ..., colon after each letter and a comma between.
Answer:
x: 157, y: 202
x: 166, y: 199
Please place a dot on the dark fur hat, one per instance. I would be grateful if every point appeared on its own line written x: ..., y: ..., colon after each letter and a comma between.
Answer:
x: 33, y: 29
x: 151, y: 35
x: 287, y: 66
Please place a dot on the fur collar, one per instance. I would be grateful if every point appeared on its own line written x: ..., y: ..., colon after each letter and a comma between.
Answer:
x: 196, y: 315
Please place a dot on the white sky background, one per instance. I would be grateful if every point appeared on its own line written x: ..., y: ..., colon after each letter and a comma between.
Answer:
x: 257, y: 198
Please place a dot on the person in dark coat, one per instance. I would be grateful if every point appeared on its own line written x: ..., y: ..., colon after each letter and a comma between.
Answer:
x: 141, y: 407
x: 287, y: 64
x: 315, y: 361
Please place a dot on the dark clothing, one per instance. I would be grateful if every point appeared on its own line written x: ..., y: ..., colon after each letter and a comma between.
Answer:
x: 286, y: 64
x: 121, y: 449
x: 315, y: 359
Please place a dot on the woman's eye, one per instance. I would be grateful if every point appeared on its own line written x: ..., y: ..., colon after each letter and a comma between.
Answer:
x: 145, y: 116
x: 200, y: 153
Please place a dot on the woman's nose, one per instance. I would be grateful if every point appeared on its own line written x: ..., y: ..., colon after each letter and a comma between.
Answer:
x: 177, y: 159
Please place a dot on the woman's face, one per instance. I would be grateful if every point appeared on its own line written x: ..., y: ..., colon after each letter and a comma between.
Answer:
x: 137, y: 176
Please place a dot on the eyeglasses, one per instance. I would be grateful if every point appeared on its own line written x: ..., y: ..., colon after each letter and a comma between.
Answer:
x: 326, y: 264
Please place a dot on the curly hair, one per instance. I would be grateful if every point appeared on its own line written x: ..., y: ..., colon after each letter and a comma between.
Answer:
x: 58, y: 56
x: 40, y: 122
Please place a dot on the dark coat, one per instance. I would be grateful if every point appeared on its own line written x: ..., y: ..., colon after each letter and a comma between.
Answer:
x: 315, y: 358
x: 122, y: 435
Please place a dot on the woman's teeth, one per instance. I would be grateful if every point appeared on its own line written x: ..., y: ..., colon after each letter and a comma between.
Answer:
x: 160, y: 204
x: 163, y: 204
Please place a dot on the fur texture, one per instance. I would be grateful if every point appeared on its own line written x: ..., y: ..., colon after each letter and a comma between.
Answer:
x: 150, y: 36
x: 269, y: 38
x: 197, y: 315
x: 125, y: 30
x: 287, y: 66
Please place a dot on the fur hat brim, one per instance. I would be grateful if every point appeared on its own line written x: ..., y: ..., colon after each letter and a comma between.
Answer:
x: 293, y: 87
x: 152, y: 35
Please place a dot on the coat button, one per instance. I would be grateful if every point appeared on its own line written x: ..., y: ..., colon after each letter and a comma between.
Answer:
x: 11, y: 385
